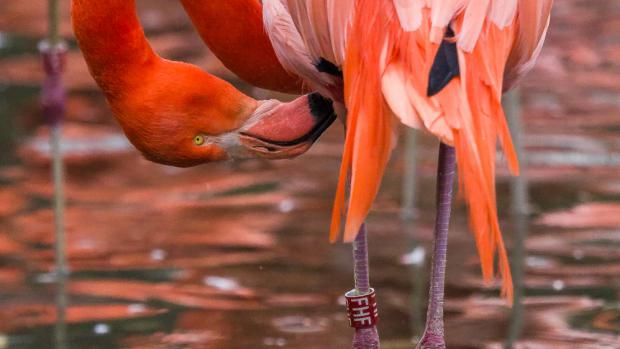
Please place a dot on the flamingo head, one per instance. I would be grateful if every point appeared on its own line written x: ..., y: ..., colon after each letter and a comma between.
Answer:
x: 189, y: 120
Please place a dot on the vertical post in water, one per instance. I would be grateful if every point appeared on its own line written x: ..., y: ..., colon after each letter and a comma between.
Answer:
x: 53, y: 102
x: 433, y: 337
x: 519, y: 212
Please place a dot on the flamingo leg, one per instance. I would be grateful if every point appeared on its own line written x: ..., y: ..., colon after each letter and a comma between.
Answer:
x: 366, y: 338
x: 433, y: 337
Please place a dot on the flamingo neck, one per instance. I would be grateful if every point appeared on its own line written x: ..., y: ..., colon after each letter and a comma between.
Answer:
x: 234, y: 32
x: 112, y: 41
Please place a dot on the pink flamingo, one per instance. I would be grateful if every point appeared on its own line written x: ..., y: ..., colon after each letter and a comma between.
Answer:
x: 435, y: 65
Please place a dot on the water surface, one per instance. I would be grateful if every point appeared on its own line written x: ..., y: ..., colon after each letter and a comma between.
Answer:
x: 235, y: 255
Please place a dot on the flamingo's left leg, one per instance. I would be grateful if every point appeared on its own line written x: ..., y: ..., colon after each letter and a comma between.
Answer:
x: 433, y: 337
x: 368, y: 336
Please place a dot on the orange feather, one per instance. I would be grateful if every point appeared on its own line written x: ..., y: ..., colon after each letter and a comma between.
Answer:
x: 369, y: 122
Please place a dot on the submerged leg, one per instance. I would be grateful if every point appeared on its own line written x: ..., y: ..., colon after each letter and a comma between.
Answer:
x: 433, y: 337
x: 368, y: 337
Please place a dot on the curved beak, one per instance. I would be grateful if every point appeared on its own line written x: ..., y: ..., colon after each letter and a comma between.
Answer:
x: 286, y: 130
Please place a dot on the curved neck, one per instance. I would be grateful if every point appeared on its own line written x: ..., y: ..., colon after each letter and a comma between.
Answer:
x: 112, y: 40
x: 233, y: 30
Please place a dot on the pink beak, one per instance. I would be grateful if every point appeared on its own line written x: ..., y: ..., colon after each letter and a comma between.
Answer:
x: 289, y: 129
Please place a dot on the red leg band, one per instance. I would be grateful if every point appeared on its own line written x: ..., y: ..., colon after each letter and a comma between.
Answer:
x: 362, y: 309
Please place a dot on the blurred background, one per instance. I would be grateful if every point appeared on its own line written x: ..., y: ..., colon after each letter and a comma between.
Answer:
x: 235, y: 255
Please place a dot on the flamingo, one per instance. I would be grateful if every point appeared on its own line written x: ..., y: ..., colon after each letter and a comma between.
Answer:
x: 177, y: 114
x: 436, y: 65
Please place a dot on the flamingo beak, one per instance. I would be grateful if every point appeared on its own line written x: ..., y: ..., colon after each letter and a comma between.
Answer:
x: 286, y: 130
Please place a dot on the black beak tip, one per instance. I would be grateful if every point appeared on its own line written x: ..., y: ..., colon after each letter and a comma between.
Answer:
x: 320, y: 107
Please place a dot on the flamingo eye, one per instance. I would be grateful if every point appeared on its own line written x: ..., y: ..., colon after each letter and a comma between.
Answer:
x: 199, y: 140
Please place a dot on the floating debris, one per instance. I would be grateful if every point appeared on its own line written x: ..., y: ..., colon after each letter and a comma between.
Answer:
x: 274, y: 342
x: 286, y: 206
x: 578, y: 254
x: 558, y: 285
x: 415, y: 257
x: 301, y: 324
x: 45, y: 278
x: 158, y: 255
x: 136, y: 308
x: 101, y: 329
x: 221, y: 283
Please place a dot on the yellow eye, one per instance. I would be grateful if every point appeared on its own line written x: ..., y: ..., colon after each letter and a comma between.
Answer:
x: 199, y: 140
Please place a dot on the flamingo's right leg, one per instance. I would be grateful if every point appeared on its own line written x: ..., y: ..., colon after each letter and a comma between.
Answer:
x: 433, y: 337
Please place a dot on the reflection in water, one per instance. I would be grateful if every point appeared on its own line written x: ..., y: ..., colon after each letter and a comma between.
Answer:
x: 416, y: 260
x: 416, y: 257
x: 6, y: 125
x: 60, y: 241
x: 519, y: 215
x: 62, y: 301
x: 13, y: 99
x: 409, y: 184
x: 53, y: 95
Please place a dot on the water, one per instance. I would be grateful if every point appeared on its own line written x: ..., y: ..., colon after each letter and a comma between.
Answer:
x: 235, y: 255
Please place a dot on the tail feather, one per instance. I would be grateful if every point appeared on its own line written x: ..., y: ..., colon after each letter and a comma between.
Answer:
x: 483, y: 123
x: 369, y: 122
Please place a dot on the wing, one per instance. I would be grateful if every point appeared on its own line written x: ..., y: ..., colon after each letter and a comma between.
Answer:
x: 339, y: 16
x: 292, y: 48
x: 310, y: 19
x: 323, y: 25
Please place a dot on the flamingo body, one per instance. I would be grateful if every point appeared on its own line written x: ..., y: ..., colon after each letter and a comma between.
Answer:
x: 390, y: 52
